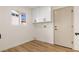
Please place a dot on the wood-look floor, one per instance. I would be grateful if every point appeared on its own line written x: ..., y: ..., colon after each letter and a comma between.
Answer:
x: 38, y: 46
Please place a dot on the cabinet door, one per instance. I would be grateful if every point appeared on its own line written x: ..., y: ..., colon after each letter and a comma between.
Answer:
x: 45, y: 13
x: 41, y: 14
x: 35, y: 14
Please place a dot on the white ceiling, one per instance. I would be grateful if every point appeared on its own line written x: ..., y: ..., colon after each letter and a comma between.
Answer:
x: 54, y: 7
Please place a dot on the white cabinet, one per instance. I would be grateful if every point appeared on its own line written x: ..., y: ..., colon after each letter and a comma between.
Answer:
x: 41, y: 14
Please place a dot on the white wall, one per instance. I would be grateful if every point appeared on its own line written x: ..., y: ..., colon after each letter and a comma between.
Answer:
x: 14, y: 35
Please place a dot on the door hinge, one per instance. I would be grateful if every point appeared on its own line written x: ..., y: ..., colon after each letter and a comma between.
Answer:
x: 72, y: 26
x: 72, y: 42
x: 72, y: 10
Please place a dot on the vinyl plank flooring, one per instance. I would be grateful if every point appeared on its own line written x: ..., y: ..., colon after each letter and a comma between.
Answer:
x: 38, y: 46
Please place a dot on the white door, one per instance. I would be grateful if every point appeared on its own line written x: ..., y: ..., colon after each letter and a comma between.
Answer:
x: 63, y: 18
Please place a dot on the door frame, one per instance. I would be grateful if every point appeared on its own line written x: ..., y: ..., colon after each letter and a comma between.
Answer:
x: 72, y: 24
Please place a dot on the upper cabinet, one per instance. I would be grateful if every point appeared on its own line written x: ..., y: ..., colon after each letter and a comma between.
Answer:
x: 41, y: 14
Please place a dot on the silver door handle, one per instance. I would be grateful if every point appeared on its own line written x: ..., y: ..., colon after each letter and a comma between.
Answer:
x: 56, y: 28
